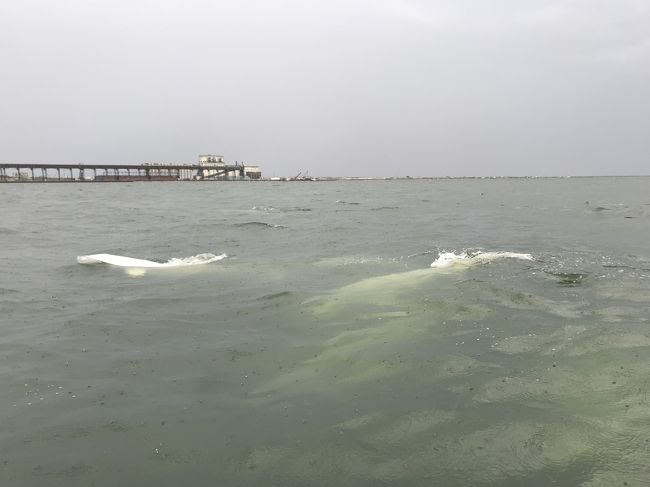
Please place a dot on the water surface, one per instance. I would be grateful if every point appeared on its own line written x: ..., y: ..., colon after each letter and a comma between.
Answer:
x: 325, y: 349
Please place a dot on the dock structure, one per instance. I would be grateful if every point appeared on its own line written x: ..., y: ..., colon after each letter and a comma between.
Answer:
x: 63, y: 173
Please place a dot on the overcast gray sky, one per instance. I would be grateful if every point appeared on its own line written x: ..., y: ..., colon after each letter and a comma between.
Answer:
x: 333, y: 87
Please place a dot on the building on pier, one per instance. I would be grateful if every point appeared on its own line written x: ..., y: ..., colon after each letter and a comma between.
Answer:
x: 211, y: 160
x: 214, y: 167
x: 252, y: 172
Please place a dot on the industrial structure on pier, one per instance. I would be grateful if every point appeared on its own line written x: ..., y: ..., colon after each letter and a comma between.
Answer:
x: 209, y: 168
x: 214, y: 167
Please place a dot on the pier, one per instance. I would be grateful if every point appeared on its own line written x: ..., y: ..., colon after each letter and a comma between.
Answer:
x: 81, y: 173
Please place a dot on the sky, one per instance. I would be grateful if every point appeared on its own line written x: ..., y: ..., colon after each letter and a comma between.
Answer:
x: 331, y: 87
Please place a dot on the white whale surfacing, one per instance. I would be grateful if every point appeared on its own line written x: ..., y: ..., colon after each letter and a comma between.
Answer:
x: 448, y: 259
x: 138, y: 267
x: 384, y: 290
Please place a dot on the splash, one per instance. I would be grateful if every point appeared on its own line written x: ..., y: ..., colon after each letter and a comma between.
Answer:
x: 449, y: 259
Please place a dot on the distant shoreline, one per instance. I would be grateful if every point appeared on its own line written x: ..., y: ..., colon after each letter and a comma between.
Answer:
x: 418, y: 178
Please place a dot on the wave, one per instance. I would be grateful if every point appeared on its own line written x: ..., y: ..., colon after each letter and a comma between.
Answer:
x: 611, y: 207
x: 295, y: 208
x: 620, y: 209
x: 258, y: 224
x: 449, y: 259
x: 268, y: 297
x: 123, y: 261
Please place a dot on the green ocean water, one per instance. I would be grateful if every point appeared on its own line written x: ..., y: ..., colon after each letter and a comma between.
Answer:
x: 325, y: 350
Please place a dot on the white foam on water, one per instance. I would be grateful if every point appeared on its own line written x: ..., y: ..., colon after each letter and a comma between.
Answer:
x: 130, y: 262
x: 449, y: 259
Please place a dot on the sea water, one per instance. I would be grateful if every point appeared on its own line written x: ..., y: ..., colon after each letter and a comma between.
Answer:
x: 356, y: 333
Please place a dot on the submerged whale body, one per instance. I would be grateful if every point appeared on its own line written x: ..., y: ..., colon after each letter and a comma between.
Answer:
x: 385, y: 290
x: 122, y: 261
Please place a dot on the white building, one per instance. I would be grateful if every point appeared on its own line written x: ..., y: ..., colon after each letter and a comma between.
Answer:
x: 252, y: 172
x: 211, y: 160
